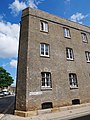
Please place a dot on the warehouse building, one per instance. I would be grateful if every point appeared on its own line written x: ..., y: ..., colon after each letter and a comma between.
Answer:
x: 53, y: 63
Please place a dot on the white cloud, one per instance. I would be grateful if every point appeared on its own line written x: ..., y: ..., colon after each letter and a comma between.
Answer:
x: 13, y: 63
x: 17, y: 6
x: 78, y: 17
x: 34, y: 3
x: 9, y: 39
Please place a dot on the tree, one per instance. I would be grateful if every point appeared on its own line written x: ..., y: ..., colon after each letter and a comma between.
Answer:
x: 5, y: 78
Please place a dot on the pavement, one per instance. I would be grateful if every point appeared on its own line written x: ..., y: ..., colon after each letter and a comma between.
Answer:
x: 65, y: 113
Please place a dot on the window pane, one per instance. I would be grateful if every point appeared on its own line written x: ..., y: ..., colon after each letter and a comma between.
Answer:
x: 46, y: 27
x: 89, y: 56
x: 43, y: 81
x: 71, y: 53
x: 41, y: 26
x: 43, y: 75
x: 47, y: 82
x: 70, y: 79
x: 68, y: 34
x: 67, y: 54
x: 86, y: 56
x: 65, y: 32
x: 75, y: 79
x: 42, y: 49
x: 47, y: 75
x: 46, y: 49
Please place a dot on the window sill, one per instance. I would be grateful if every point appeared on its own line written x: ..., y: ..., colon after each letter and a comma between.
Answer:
x: 69, y: 59
x: 88, y: 61
x: 67, y: 37
x: 46, y: 88
x: 85, y: 41
x: 45, y: 56
x: 43, y: 31
x: 73, y: 87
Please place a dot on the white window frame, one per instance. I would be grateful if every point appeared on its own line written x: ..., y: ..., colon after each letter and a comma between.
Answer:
x: 69, y: 53
x: 73, y: 80
x: 47, y: 80
x: 43, y: 26
x: 67, y: 33
x: 44, y: 49
x: 84, y: 37
x: 87, y: 56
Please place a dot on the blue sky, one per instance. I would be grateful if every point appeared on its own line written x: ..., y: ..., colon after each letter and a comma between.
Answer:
x: 10, y: 14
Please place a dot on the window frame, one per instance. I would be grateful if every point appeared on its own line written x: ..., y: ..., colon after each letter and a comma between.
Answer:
x: 44, y: 27
x: 87, y: 54
x: 69, y: 54
x: 46, y: 79
x: 67, y: 32
x: 45, y: 50
x: 73, y: 81
x: 84, y: 37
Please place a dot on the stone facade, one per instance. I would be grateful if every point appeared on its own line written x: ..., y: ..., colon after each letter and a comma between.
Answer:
x: 29, y: 94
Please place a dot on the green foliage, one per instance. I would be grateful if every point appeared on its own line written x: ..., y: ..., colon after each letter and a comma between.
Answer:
x: 5, y: 78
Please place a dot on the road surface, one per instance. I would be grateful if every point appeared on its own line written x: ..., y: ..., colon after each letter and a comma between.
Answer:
x: 7, y: 105
x: 87, y: 117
